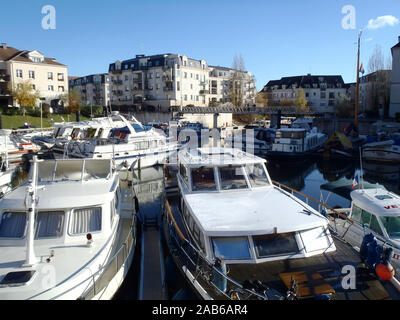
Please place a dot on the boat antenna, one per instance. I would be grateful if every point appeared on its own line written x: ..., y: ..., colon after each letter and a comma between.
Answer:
x: 30, y: 204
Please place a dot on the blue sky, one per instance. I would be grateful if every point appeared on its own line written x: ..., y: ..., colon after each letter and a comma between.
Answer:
x: 275, y: 38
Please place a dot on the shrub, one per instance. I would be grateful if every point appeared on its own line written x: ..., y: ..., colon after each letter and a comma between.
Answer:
x: 88, y: 110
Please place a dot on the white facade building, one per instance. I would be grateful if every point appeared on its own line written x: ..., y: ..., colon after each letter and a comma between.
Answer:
x: 321, y: 92
x: 46, y: 75
x: 395, y: 82
x: 94, y: 89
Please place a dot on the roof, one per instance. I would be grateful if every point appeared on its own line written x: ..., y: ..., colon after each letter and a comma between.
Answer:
x: 216, y: 157
x: 380, y: 202
x: 343, y: 187
x: 310, y: 80
x: 227, y: 213
x: 13, y: 54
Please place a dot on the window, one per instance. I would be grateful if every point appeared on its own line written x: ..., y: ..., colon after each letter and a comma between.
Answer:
x: 19, y: 73
x: 183, y: 172
x: 50, y: 88
x: 49, y: 224
x: 365, y: 218
x: 60, y: 89
x: 12, y: 225
x: 232, y: 178
x: 374, y: 225
x: 275, y: 244
x: 203, y: 179
x: 257, y: 175
x: 391, y: 224
x: 49, y: 75
x: 356, y: 213
x: 31, y: 74
x: 234, y: 248
x: 143, y: 145
x: 86, y: 220
x: 178, y: 86
x: 60, y: 77
x: 185, y: 75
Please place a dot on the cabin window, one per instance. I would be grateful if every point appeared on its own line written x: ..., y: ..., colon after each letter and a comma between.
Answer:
x: 49, y: 224
x: 203, y: 179
x: 356, y: 213
x: 57, y: 132
x: 75, y: 133
x: 391, y: 224
x: 86, y: 220
x: 275, y: 244
x: 232, y: 178
x: 12, y: 225
x: 231, y: 248
x: 144, y: 145
x: 90, y: 133
x: 374, y: 225
x: 183, y: 172
x: 153, y: 144
x: 257, y: 175
x: 198, y: 235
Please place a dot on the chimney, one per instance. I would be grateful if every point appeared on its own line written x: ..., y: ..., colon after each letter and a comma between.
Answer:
x: 4, y: 45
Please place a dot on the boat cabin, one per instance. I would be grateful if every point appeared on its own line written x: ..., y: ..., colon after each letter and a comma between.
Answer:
x: 76, y: 197
x: 377, y: 209
x: 233, y: 211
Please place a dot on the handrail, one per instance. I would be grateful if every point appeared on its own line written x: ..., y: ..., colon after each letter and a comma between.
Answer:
x: 200, y: 257
x: 293, y: 191
x: 91, y: 279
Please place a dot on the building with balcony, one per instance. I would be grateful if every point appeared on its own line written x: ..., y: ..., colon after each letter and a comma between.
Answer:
x: 395, y: 81
x: 321, y: 92
x: 47, y: 76
x: 166, y: 80
x: 94, y: 89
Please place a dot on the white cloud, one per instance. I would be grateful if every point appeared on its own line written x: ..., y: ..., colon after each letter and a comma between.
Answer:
x: 381, y: 22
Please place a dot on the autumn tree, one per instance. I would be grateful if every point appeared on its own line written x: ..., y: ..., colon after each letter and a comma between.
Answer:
x: 25, y: 95
x: 262, y: 98
x: 73, y: 100
x: 301, y: 101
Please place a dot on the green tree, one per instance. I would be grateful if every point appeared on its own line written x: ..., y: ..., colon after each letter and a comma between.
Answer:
x: 25, y: 95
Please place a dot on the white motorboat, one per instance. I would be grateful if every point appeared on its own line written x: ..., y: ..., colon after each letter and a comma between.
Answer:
x: 129, y: 148
x: 374, y: 210
x: 15, y: 146
x: 383, y: 151
x: 296, y: 142
x: 67, y: 233
x: 235, y: 235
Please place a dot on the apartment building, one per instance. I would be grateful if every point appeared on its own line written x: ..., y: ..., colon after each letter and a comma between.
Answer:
x: 375, y: 92
x: 167, y: 80
x: 46, y: 75
x: 94, y: 89
x: 395, y: 81
x: 321, y: 92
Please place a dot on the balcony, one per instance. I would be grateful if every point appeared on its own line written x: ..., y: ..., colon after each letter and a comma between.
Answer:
x: 204, y: 92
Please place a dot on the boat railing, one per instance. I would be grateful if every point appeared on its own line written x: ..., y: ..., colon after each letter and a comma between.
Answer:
x: 321, y: 207
x: 201, y: 267
x: 102, y: 277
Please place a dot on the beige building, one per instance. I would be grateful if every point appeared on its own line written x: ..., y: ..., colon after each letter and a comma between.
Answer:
x: 47, y: 76
x: 166, y: 80
x: 94, y: 89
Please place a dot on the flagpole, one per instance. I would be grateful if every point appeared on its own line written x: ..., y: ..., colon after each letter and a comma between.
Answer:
x: 357, y: 84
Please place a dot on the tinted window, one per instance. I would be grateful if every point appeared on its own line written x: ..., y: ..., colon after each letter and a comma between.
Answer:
x: 231, y: 248
x: 232, y: 178
x: 203, y: 179
x: 275, y: 244
x: 12, y: 225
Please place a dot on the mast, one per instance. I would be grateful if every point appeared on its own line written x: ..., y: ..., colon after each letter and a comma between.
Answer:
x: 30, y: 203
x: 357, y: 84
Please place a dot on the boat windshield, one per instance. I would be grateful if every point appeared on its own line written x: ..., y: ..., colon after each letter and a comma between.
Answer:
x: 392, y: 226
x: 257, y: 175
x: 203, y: 179
x: 233, y: 248
x: 232, y: 178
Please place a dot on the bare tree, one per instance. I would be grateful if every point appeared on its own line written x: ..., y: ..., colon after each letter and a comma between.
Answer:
x: 237, y: 81
x: 378, y: 81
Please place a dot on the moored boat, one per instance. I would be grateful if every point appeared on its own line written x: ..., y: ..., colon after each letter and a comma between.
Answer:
x: 233, y: 234
x: 67, y: 233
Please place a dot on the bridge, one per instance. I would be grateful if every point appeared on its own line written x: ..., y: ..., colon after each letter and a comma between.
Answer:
x: 270, y: 110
